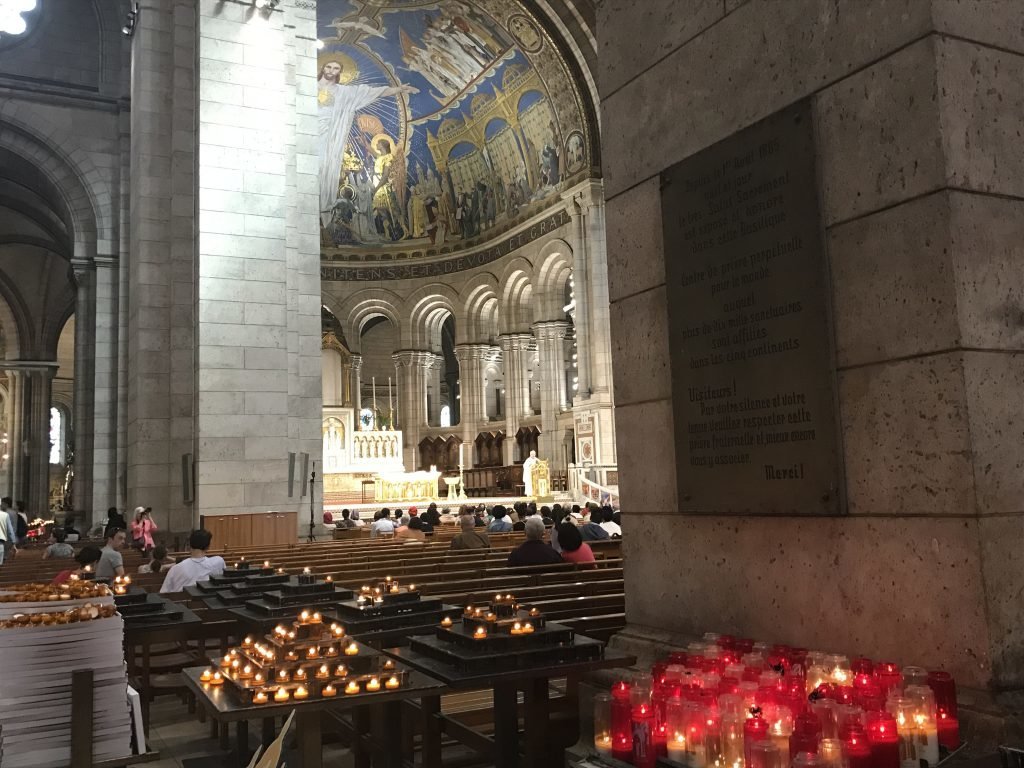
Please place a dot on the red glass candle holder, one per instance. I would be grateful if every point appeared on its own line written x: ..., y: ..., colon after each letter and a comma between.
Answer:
x: 884, y: 740
x: 862, y: 665
x: 949, y: 730
x: 944, y: 688
x: 645, y: 753
x: 754, y: 731
x: 857, y: 750
x: 888, y: 676
x: 622, y: 723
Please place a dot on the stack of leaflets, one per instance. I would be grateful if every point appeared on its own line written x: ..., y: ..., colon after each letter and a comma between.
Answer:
x: 47, y: 632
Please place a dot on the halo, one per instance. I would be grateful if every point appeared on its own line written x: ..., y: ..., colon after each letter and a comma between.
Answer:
x: 349, y: 68
x: 378, y: 137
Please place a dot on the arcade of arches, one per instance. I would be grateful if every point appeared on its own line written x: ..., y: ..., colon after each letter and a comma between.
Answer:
x: 403, y: 235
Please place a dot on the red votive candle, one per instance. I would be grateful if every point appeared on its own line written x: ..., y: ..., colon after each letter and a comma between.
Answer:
x: 622, y: 722
x: 862, y: 666
x: 949, y: 730
x: 857, y: 750
x: 645, y: 753
x: 944, y: 688
x: 659, y: 701
x: 888, y: 676
x: 806, y: 734
x: 884, y: 741
x: 754, y: 731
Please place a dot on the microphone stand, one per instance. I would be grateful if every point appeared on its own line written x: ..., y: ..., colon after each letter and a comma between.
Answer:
x: 312, y: 520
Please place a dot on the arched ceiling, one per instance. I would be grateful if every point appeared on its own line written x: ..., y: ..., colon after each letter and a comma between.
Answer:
x: 444, y: 122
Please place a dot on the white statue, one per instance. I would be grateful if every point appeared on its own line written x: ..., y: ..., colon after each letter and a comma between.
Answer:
x: 528, y: 473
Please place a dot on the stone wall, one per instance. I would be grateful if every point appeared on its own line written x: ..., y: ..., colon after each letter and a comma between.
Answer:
x: 917, y: 108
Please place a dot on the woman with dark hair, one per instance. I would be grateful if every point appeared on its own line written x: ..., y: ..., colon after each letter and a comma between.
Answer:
x: 86, y: 558
x: 574, y: 549
x: 58, y: 548
x: 159, y: 562
x: 412, y: 533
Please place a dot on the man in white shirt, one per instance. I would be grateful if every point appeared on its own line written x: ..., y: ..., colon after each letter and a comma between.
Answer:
x: 197, y: 567
x: 382, y: 525
x: 609, y: 524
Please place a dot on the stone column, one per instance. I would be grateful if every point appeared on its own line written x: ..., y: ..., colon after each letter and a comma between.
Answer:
x: 357, y: 386
x: 81, y: 491
x: 514, y: 347
x: 550, y: 337
x: 104, y: 384
x: 921, y: 204
x: 39, y: 379
x: 15, y: 433
x: 411, y: 367
x: 472, y: 402
x: 581, y: 294
x: 434, y: 387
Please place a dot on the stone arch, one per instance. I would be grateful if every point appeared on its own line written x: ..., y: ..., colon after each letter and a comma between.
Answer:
x: 14, y: 324
x: 429, y: 307
x: 362, y: 306
x: 67, y: 172
x: 516, y: 289
x: 481, y: 308
x: 553, y: 268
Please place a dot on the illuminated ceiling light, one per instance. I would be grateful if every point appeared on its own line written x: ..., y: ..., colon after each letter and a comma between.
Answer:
x: 11, y: 20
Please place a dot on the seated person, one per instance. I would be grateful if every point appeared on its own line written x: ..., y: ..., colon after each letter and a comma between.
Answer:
x: 58, y: 548
x: 545, y: 515
x: 412, y: 533
x: 346, y: 520
x: 500, y: 524
x: 469, y: 538
x: 86, y: 559
x: 609, y: 524
x: 591, y: 530
x: 158, y: 562
x: 354, y: 517
x: 382, y: 525
x: 574, y: 549
x: 533, y: 551
x: 198, y: 566
x: 329, y: 520
x: 71, y: 534
x: 111, y: 562
x: 448, y: 518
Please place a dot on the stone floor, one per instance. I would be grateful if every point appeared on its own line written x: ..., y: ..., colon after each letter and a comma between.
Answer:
x: 184, y: 742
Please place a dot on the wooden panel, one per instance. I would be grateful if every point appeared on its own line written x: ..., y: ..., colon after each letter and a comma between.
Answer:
x: 264, y: 528
x: 287, y: 525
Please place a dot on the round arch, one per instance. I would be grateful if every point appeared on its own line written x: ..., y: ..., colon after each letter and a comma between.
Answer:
x: 516, y: 289
x: 481, y: 308
x: 13, y: 323
x: 355, y: 311
x: 554, y: 265
x: 429, y: 307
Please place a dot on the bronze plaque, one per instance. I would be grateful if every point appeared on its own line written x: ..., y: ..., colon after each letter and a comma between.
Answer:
x: 749, y: 324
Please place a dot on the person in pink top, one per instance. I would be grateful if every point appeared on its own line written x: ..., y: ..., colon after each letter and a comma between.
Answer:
x: 574, y: 548
x: 142, y: 528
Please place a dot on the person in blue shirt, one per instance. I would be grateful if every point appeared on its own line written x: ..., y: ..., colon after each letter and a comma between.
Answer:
x: 501, y: 523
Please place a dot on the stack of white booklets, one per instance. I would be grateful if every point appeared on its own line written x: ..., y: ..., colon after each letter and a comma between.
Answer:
x: 35, y: 685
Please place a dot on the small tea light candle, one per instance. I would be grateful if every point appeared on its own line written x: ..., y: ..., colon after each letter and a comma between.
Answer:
x: 279, y: 630
x: 217, y: 679
x: 324, y: 672
x: 266, y: 563
x: 226, y: 661
x: 351, y: 649
x: 257, y: 678
x: 206, y: 677
x: 534, y: 612
x: 412, y: 587
x: 337, y: 630
x: 246, y: 672
x: 517, y: 629
x: 341, y: 671
x: 373, y: 684
x: 331, y: 651
x: 392, y: 682
x: 394, y: 589
x: 468, y: 611
x: 351, y: 688
x: 247, y: 643
x: 300, y: 674
x: 291, y: 635
x: 365, y: 589
x: 480, y: 633
x: 478, y: 612
x: 329, y: 691
x: 328, y: 579
x: 388, y: 579
x: 306, y: 571
x: 527, y: 628
x: 119, y: 590
x: 281, y: 695
x: 301, y: 693
x: 312, y: 653
x: 260, y: 698
x: 280, y: 571
x: 389, y: 664
x: 235, y: 664
x: 446, y: 622
x: 282, y: 676
x: 304, y: 617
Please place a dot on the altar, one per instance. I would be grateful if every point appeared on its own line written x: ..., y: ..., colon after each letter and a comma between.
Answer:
x: 406, y: 486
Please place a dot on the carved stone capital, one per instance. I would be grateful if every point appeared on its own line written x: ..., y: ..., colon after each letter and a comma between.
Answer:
x: 551, y: 329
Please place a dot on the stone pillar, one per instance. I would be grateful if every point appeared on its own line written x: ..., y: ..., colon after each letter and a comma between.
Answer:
x: 257, y: 333
x: 36, y: 495
x: 472, y: 403
x: 921, y: 203
x: 434, y: 390
x: 411, y: 367
x: 550, y: 337
x: 104, y: 377
x: 16, y: 433
x: 357, y: 386
x: 81, y: 491
x: 514, y: 347
x: 581, y: 292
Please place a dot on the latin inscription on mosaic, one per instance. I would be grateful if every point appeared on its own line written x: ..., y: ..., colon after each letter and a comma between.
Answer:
x: 752, y: 370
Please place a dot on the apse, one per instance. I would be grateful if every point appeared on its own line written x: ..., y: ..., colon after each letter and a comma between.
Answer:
x: 442, y: 124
